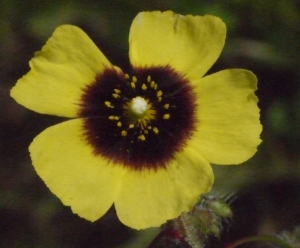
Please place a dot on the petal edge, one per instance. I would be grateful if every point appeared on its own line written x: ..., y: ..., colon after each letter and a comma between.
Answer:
x: 149, y: 198
x: 229, y: 129
x: 72, y: 172
x: 189, y: 44
x: 68, y: 62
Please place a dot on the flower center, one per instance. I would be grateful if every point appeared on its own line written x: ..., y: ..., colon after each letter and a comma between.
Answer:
x: 139, y: 112
x: 138, y: 121
x: 138, y: 106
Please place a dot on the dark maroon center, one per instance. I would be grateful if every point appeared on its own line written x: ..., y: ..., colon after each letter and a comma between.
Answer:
x: 149, y: 142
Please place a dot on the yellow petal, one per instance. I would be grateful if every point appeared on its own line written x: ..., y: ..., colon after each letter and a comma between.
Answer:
x: 68, y: 62
x: 189, y: 44
x: 150, y: 198
x: 68, y: 167
x: 229, y: 128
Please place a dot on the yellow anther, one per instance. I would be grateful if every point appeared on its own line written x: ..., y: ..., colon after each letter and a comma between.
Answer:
x: 134, y: 79
x: 149, y: 79
x: 123, y: 133
x: 152, y: 84
x: 131, y: 126
x: 149, y: 127
x: 155, y: 130
x: 159, y: 99
x: 126, y: 76
x: 111, y: 117
x: 166, y: 106
x: 117, y: 91
x: 115, y: 95
x: 144, y: 87
x: 155, y: 86
x: 119, y: 124
x: 132, y: 85
x: 108, y: 104
x: 159, y: 93
x: 145, y: 131
x: 166, y: 116
x: 142, y: 137
x: 116, y: 118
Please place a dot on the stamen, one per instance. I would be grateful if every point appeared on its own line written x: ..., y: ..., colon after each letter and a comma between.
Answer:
x: 132, y: 85
x: 123, y: 133
x: 166, y: 106
x: 149, y: 79
x: 144, y: 87
x: 108, y: 104
x: 166, y: 116
x: 155, y: 130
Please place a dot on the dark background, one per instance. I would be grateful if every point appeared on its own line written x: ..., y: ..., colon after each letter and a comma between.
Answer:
x: 263, y: 36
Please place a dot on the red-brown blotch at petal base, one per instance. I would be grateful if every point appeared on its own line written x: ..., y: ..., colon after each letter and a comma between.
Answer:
x: 139, y: 139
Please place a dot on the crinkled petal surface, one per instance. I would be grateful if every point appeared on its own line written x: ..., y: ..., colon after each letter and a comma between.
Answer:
x: 68, y: 62
x: 229, y: 128
x: 69, y: 168
x: 149, y: 198
x: 189, y: 44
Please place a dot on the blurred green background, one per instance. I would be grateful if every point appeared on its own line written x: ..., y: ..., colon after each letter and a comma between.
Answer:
x: 263, y: 36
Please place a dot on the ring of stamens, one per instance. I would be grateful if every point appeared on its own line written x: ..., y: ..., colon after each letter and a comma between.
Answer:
x: 138, y: 121
x: 139, y: 110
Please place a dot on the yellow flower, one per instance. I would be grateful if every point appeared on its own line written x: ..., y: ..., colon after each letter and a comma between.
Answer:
x: 142, y: 141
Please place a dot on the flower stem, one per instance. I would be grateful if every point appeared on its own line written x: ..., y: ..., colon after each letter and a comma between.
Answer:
x: 263, y: 238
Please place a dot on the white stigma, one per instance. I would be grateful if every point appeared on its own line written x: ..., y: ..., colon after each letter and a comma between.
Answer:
x: 138, y: 105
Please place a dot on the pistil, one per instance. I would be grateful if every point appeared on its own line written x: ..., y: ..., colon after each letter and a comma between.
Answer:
x: 138, y: 106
